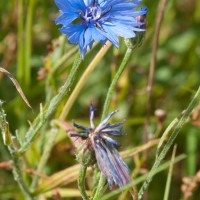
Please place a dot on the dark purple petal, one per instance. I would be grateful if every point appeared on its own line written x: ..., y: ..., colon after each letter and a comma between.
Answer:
x: 82, y: 135
x: 79, y: 126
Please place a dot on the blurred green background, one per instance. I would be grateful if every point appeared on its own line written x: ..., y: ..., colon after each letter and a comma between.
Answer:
x: 30, y: 48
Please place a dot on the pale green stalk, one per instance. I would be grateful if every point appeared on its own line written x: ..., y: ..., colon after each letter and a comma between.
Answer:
x: 45, y: 156
x: 54, y: 131
x: 192, y: 145
x: 20, y: 42
x: 17, y: 169
x: 73, y: 96
x: 169, y: 177
x: 102, y: 182
x: 169, y: 143
x: 81, y: 182
x: 67, y: 108
x: 83, y: 79
x: 111, y: 89
x: 141, y: 179
x: 64, y: 112
x: 165, y: 135
x: 28, y: 41
x: 17, y: 172
x: 101, y: 188
x: 42, y: 118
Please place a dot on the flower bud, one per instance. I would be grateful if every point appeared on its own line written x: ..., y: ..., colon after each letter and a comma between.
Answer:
x: 160, y: 115
x: 85, y: 154
x: 137, y: 41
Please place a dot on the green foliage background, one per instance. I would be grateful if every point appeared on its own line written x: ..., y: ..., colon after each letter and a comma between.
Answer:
x: 177, y: 76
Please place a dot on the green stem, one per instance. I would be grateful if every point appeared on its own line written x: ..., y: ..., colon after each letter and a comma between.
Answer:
x: 81, y: 182
x: 140, y: 179
x: 17, y: 172
x: 169, y: 143
x: 20, y: 42
x: 114, y: 82
x: 83, y: 79
x: 100, y: 188
x: 169, y: 177
x: 101, y: 185
x: 29, y: 27
x: 45, y: 156
x: 42, y: 118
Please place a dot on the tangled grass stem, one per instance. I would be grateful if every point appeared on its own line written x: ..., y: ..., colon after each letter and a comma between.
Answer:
x: 81, y: 182
x: 102, y: 182
x: 40, y: 120
x: 169, y: 143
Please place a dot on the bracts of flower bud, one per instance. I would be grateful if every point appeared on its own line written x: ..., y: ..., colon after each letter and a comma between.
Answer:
x: 137, y: 41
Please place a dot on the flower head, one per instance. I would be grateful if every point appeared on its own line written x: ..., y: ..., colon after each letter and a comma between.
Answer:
x: 86, y: 21
x: 99, y: 141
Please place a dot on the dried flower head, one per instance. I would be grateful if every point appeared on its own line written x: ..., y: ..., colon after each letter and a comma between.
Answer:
x: 99, y: 140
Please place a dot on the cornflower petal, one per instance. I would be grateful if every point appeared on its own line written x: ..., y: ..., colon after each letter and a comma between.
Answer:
x: 88, y: 2
x: 65, y: 5
x: 66, y: 18
x: 86, y: 21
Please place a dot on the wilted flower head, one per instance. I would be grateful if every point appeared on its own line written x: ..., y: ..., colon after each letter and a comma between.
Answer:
x: 86, y: 21
x: 98, y: 139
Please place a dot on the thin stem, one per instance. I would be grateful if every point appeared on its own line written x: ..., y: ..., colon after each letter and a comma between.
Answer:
x: 169, y: 143
x: 17, y: 172
x: 42, y: 118
x: 45, y: 155
x: 100, y: 188
x: 169, y: 177
x: 140, y: 179
x: 81, y: 182
x: 159, y: 19
x: 114, y: 82
x: 27, y: 52
x: 83, y: 79
x: 20, y: 42
x: 111, y: 89
x: 54, y: 131
x: 48, y: 147
x: 165, y: 134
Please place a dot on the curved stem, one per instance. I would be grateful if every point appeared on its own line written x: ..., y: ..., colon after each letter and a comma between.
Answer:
x: 169, y: 143
x: 114, y: 82
x: 17, y: 169
x: 100, y: 188
x: 42, y: 118
x: 17, y: 173
x: 81, y: 182
x: 101, y: 185
x: 83, y: 79
x: 28, y: 41
x: 45, y: 156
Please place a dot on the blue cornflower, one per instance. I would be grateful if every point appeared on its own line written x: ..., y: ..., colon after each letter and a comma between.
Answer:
x: 98, y: 140
x: 86, y: 21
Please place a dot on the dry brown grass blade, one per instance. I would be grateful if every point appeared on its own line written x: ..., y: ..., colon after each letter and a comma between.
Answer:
x: 58, y: 179
x: 70, y: 174
x: 16, y: 84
